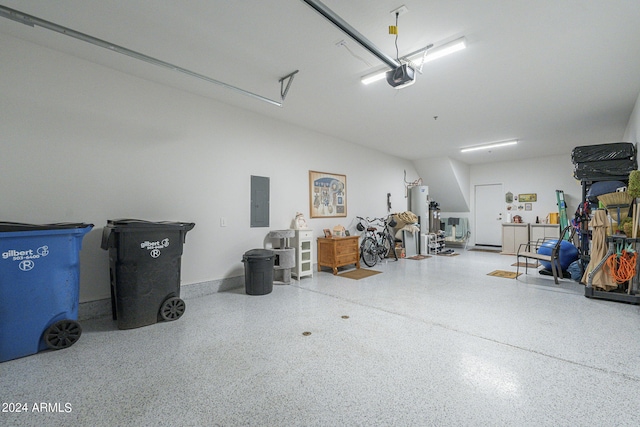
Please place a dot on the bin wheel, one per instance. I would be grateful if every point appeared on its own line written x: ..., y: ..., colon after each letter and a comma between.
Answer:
x: 62, y: 334
x: 172, y: 309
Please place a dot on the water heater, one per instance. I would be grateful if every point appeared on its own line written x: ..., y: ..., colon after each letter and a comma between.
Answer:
x: 419, y: 205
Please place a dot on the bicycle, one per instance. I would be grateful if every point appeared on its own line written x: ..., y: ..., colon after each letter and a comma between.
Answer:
x: 376, y: 245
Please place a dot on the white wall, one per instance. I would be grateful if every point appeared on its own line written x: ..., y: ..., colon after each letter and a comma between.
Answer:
x: 632, y: 133
x: 83, y: 143
x: 448, y: 181
x: 542, y: 176
x: 462, y: 172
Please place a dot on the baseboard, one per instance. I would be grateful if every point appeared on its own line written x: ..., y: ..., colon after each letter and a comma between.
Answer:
x: 94, y: 309
x: 102, y: 308
x: 455, y: 244
x: 196, y: 290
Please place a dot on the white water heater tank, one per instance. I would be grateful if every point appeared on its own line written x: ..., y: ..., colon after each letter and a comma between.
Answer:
x: 419, y: 205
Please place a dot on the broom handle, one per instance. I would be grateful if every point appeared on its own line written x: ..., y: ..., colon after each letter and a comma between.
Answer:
x: 635, y: 234
x: 635, y: 220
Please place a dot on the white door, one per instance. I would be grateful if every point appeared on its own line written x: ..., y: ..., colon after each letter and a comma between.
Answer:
x: 489, y: 203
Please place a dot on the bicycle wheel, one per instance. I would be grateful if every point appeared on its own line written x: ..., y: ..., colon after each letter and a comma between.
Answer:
x: 389, y: 249
x: 368, y: 252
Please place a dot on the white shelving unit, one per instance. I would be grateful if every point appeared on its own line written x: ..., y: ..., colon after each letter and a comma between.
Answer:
x: 435, y: 243
x: 303, y: 243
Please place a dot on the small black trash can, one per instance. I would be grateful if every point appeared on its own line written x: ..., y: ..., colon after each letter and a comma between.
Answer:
x: 144, y: 266
x: 258, y: 271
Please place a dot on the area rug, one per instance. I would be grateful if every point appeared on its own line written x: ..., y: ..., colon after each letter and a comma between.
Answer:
x: 525, y: 264
x: 505, y: 274
x: 419, y: 257
x: 359, y: 273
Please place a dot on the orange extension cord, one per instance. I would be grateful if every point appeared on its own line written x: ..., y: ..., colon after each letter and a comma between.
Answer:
x: 622, y: 267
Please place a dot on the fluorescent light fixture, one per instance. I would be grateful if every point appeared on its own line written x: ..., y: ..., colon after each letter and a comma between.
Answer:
x: 488, y: 146
x: 378, y: 75
x: 416, y: 58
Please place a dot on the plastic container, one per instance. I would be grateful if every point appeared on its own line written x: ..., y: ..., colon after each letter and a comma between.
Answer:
x: 605, y: 169
x: 39, y: 287
x: 603, y: 152
x: 258, y: 271
x: 144, y: 265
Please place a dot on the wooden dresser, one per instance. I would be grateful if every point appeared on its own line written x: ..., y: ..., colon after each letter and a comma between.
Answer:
x: 335, y: 252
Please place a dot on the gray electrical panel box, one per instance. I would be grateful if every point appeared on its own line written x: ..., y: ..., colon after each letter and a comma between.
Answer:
x: 259, y: 201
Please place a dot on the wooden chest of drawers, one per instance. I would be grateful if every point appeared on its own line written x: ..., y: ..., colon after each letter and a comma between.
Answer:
x: 336, y: 252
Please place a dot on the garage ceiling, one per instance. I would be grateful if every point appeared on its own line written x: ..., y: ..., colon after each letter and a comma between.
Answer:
x: 551, y: 74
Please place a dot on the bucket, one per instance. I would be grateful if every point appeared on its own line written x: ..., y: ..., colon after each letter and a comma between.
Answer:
x: 554, y: 218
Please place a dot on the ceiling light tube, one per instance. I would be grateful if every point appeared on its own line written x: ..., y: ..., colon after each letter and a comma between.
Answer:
x: 416, y: 58
x: 378, y: 75
x: 488, y: 146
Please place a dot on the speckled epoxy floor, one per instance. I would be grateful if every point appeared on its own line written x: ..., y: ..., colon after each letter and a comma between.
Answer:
x: 431, y: 342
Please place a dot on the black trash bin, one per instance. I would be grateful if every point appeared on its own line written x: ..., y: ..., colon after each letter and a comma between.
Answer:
x: 258, y: 271
x: 144, y: 265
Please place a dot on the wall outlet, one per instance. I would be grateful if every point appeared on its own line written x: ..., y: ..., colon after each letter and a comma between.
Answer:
x: 223, y: 221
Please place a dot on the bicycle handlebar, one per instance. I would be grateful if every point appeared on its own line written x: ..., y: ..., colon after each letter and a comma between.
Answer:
x: 382, y: 221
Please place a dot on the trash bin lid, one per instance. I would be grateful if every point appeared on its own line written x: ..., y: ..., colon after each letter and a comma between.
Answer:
x: 140, y: 223
x: 258, y: 253
x: 6, y: 227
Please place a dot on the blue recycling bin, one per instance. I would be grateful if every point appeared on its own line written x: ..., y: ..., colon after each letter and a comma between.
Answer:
x: 39, y: 287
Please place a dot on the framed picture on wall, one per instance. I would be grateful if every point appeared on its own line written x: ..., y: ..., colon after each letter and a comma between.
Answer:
x: 327, y: 195
x: 529, y: 197
x: 528, y: 207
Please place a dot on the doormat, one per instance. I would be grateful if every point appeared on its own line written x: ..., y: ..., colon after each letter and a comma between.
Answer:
x: 525, y: 264
x: 451, y: 254
x: 495, y: 251
x: 505, y: 274
x: 419, y: 257
x: 359, y: 273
